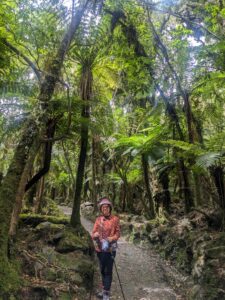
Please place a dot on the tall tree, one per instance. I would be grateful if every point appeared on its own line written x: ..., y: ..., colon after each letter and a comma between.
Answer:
x: 30, y: 133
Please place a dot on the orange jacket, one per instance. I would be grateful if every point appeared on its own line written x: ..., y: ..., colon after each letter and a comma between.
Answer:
x: 106, y: 227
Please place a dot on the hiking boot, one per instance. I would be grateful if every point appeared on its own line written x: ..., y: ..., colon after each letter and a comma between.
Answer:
x: 105, y: 295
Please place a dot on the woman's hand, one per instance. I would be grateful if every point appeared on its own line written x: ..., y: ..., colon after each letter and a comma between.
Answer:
x: 110, y: 239
x: 96, y: 235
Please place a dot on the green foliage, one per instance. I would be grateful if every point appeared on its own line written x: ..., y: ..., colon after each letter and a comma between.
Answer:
x: 209, y: 159
x: 139, y: 143
x: 190, y: 149
x: 10, y: 282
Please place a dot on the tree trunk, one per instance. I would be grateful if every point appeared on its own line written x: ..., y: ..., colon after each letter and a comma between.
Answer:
x: 123, y: 197
x: 39, y: 196
x: 218, y: 176
x: 94, y: 173
x: 8, y: 190
x: 147, y: 185
x: 12, y: 179
x: 198, y: 196
x: 30, y: 196
x: 164, y: 180
x: 188, y: 199
x: 21, y: 190
x: 86, y: 94
x: 75, y: 217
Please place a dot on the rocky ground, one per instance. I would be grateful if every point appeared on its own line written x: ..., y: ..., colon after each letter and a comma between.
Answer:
x: 56, y: 260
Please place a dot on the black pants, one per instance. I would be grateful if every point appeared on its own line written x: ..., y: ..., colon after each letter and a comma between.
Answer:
x: 106, y: 267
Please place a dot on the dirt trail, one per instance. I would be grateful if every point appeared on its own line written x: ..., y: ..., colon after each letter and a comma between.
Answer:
x: 143, y: 273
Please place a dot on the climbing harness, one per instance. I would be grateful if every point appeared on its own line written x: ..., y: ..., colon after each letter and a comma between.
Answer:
x: 114, y: 261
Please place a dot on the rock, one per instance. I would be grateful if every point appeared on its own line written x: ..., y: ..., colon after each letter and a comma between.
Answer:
x: 206, y: 292
x: 125, y: 217
x: 48, y: 226
x: 49, y: 274
x: 154, y: 236
x: 35, y: 219
x: 80, y: 267
x: 196, y: 292
x: 148, y: 226
x: 125, y: 227
x: 48, y: 230
x: 87, y: 209
x: 182, y: 226
x: 70, y: 241
x: 216, y: 252
x: 138, y: 232
x: 139, y: 219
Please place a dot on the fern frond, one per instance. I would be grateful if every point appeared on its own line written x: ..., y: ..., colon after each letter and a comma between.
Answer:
x: 209, y: 159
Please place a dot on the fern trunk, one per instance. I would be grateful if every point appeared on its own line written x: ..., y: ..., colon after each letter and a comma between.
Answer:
x: 145, y: 167
x: 86, y: 94
x: 188, y: 199
x: 218, y: 176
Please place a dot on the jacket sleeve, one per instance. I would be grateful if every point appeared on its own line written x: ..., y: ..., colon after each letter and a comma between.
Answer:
x: 95, y: 228
x: 116, y: 234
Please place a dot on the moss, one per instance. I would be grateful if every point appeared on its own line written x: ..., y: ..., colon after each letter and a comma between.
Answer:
x: 9, y: 277
x: 35, y: 219
x: 73, y: 240
x: 65, y: 296
x: 49, y: 207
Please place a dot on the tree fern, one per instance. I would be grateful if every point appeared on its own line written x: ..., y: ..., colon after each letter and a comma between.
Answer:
x: 210, y: 159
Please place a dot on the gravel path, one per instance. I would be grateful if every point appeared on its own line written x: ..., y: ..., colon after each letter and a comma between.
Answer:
x: 143, y: 273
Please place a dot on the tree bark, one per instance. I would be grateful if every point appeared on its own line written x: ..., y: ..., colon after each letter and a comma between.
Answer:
x: 218, y: 176
x: 164, y: 180
x: 39, y: 196
x: 21, y: 190
x: 86, y: 94
x: 198, y: 196
x: 94, y: 173
x: 188, y: 199
x: 147, y: 185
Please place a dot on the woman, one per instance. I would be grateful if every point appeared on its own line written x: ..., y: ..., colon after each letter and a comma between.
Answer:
x: 105, y: 234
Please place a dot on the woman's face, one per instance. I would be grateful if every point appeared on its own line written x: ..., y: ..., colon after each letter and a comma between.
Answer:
x: 105, y: 209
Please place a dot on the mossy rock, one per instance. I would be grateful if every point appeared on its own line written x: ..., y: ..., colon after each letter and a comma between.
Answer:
x: 216, y: 252
x: 49, y: 231
x: 75, y: 261
x: 218, y: 240
x: 205, y: 292
x: 73, y: 241
x: 65, y: 296
x: 148, y: 226
x: 48, y: 226
x: 80, y: 266
x: 49, y: 274
x: 35, y: 219
x: 126, y: 227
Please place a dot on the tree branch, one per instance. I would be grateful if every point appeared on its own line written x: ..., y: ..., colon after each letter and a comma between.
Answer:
x: 25, y: 58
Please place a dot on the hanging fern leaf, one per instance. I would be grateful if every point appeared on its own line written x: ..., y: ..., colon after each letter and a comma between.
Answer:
x: 209, y: 159
x: 191, y: 149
